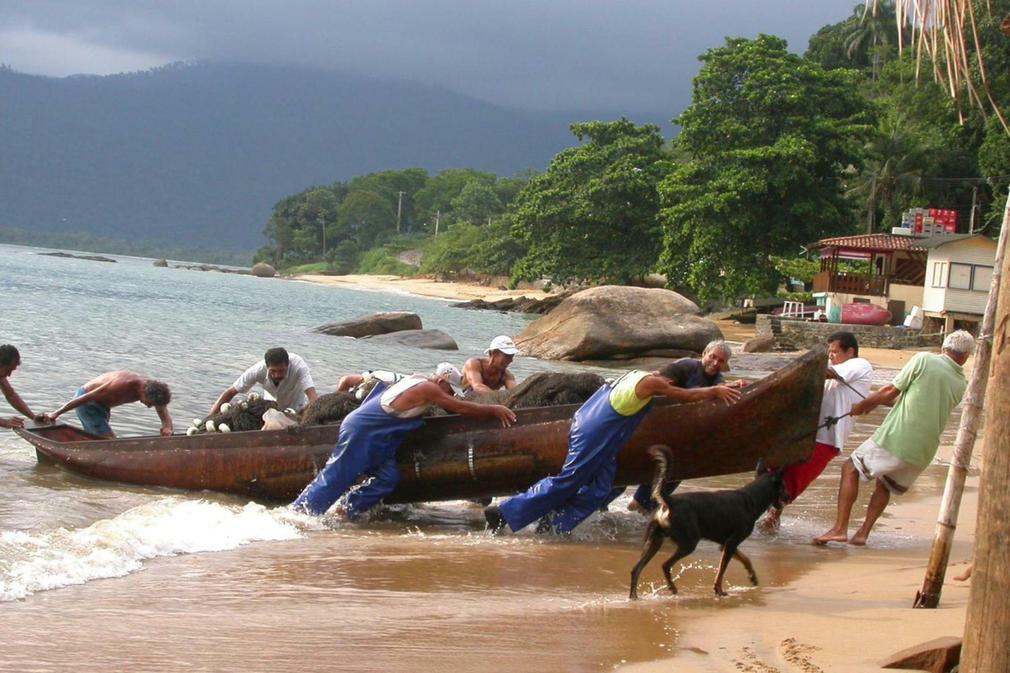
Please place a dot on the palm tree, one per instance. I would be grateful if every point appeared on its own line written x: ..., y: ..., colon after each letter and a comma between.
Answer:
x: 875, y: 31
x: 892, y: 176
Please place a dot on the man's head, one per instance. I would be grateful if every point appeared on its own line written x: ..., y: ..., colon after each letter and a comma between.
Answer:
x: 502, y: 350
x: 9, y: 359
x: 448, y: 378
x: 958, y: 345
x: 156, y: 394
x: 277, y: 364
x: 715, y: 357
x: 842, y: 346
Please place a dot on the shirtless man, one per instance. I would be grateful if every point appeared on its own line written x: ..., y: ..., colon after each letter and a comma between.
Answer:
x: 10, y: 358
x: 482, y: 375
x: 95, y: 399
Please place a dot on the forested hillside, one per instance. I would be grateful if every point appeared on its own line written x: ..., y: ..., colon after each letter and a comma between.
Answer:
x: 197, y: 155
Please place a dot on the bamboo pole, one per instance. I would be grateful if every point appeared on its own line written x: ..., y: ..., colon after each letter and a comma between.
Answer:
x: 964, y: 444
x: 985, y: 633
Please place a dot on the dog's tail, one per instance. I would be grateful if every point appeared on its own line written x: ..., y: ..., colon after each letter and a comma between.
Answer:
x: 662, y: 456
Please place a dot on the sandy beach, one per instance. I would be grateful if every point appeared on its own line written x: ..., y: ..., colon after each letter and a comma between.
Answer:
x: 851, y: 608
x: 424, y: 287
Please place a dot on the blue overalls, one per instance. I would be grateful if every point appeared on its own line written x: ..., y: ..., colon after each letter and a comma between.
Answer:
x: 598, y: 433
x: 366, y: 444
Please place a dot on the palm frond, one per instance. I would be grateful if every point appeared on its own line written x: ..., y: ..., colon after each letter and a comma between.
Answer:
x: 946, y: 32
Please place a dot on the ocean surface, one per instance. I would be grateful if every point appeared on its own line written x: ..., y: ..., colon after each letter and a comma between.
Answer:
x: 99, y: 576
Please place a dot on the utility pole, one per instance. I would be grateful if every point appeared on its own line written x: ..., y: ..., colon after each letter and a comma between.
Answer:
x: 971, y: 218
x: 967, y: 431
x: 988, y: 622
x: 437, y: 214
x: 399, y: 209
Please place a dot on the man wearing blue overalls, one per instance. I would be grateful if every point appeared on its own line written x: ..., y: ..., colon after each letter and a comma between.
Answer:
x: 600, y: 429
x: 370, y: 435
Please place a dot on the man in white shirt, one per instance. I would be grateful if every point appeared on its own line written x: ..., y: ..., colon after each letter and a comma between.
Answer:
x: 849, y: 378
x: 285, y: 379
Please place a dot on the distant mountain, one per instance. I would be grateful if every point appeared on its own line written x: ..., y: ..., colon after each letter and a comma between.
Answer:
x: 198, y: 154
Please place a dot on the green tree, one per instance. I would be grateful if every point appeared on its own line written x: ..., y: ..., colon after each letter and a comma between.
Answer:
x: 767, y: 136
x: 398, y: 188
x: 892, y: 175
x: 593, y: 214
x: 367, y: 217
x: 864, y: 41
x: 435, y: 198
x: 874, y: 35
x: 476, y: 203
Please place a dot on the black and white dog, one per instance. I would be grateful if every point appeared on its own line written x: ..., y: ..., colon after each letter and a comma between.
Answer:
x: 726, y: 517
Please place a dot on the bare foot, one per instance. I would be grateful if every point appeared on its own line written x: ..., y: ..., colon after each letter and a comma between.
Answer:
x: 966, y: 574
x: 858, y: 539
x: 832, y: 535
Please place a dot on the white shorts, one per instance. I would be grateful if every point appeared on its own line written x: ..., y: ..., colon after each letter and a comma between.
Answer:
x: 873, y: 461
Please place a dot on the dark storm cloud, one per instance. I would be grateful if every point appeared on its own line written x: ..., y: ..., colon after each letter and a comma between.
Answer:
x: 634, y: 55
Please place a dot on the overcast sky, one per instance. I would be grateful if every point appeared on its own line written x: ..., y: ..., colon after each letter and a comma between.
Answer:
x: 548, y: 54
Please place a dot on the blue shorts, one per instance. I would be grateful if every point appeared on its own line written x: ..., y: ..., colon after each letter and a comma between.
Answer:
x: 94, y: 417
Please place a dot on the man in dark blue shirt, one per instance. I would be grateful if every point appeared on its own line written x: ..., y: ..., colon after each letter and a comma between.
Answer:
x: 686, y: 373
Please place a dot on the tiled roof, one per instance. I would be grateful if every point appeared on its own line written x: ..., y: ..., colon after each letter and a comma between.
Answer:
x: 875, y: 242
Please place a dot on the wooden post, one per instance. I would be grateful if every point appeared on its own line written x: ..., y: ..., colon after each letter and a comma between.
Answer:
x: 985, y: 633
x: 971, y: 412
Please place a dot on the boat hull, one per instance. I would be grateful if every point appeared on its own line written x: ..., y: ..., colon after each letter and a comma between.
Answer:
x: 456, y: 457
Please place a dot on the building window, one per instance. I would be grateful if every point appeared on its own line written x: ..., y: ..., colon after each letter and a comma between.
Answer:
x: 982, y: 278
x: 960, y: 276
x: 939, y: 274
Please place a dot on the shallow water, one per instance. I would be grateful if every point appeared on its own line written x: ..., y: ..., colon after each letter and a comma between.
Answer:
x: 97, y: 576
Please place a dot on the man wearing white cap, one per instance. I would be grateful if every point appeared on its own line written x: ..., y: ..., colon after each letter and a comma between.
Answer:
x: 481, y: 375
x: 370, y: 435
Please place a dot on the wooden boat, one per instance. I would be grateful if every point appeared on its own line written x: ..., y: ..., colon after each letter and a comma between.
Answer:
x: 455, y: 457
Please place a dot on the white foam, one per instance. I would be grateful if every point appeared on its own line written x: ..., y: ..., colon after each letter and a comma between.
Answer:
x: 38, y: 561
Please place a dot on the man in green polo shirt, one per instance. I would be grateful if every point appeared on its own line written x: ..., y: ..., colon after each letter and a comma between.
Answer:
x: 924, y: 393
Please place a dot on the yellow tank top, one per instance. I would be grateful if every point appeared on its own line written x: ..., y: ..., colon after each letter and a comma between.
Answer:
x: 622, y: 394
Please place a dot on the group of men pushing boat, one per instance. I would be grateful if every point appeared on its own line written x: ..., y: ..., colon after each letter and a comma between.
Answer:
x: 362, y: 469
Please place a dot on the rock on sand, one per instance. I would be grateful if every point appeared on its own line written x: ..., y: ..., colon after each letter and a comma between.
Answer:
x: 617, y: 321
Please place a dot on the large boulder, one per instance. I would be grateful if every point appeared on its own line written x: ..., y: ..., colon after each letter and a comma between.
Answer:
x: 263, y: 270
x: 612, y: 320
x: 376, y: 323
x: 435, y: 339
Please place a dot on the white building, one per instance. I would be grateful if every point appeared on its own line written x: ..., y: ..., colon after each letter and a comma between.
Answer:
x: 958, y: 274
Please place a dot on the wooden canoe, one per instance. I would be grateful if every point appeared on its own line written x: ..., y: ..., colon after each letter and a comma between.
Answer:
x: 455, y: 457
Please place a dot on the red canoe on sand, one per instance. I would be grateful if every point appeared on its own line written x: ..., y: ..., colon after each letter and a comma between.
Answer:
x: 865, y: 314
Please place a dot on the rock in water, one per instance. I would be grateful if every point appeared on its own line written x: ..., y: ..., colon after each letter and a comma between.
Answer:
x: 263, y: 270
x: 418, y: 338
x: 612, y: 321
x: 377, y: 323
